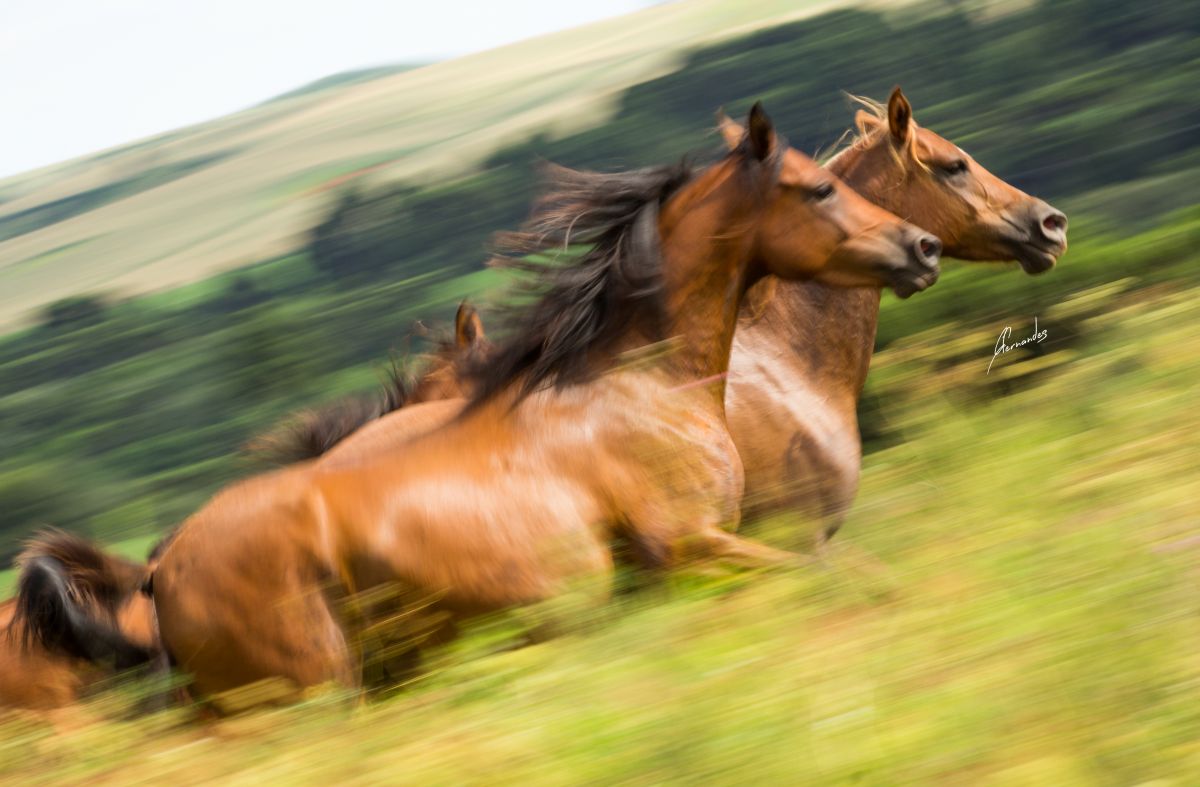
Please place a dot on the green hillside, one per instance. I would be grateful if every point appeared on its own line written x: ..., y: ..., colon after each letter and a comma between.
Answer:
x: 145, y: 403
x: 95, y: 223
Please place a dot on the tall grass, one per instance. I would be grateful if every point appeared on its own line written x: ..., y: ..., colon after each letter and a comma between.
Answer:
x: 1013, y: 601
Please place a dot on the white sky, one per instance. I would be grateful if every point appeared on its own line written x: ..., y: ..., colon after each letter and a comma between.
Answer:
x: 78, y: 76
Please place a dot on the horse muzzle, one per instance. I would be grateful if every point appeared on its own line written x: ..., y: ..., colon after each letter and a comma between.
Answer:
x: 1045, y: 238
x: 919, y: 270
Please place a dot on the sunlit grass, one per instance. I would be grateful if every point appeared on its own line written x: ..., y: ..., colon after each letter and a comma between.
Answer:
x: 1013, y: 601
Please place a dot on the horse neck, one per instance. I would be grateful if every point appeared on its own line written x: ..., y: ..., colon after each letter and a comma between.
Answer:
x: 706, y: 270
x: 828, y: 333
x: 831, y: 330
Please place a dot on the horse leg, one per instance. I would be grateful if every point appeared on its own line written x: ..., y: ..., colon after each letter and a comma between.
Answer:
x: 306, y: 650
x: 866, y: 571
x: 716, y: 544
x: 161, y: 699
x: 660, y: 543
x: 577, y: 604
x: 394, y: 645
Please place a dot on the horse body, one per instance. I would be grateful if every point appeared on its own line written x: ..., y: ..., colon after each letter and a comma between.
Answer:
x: 516, y: 498
x: 798, y: 368
x: 271, y: 578
x: 531, y: 517
x: 795, y: 376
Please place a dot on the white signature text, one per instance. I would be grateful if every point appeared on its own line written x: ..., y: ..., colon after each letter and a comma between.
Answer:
x: 1002, y: 346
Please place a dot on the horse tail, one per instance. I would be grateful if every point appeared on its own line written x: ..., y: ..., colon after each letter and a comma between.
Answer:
x: 68, y: 595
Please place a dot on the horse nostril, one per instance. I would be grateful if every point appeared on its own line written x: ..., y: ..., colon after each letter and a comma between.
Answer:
x: 930, y: 247
x: 1054, y: 223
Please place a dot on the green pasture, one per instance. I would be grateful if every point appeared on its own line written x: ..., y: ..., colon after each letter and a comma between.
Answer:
x: 1013, y: 602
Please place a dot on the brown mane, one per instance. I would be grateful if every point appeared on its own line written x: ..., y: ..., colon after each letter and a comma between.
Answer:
x: 310, y: 433
x: 587, y: 300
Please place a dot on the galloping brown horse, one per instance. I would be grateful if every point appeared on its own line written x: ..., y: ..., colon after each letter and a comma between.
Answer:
x: 78, y: 616
x: 517, y: 499
x: 798, y: 366
x: 802, y: 350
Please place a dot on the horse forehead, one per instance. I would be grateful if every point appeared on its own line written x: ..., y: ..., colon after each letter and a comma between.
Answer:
x: 798, y: 168
x: 929, y: 141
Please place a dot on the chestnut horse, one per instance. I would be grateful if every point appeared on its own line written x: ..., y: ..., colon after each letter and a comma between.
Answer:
x: 798, y: 365
x: 801, y: 353
x: 792, y: 399
x: 517, y: 499
x: 78, y: 616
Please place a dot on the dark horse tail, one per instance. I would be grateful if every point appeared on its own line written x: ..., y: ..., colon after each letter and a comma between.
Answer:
x: 68, y: 597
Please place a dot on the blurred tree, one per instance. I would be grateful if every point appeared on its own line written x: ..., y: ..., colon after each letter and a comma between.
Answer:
x: 75, y: 311
x: 36, y: 496
x: 239, y: 293
x: 267, y: 355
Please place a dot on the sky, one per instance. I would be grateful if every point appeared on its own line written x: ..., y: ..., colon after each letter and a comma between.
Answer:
x: 83, y: 75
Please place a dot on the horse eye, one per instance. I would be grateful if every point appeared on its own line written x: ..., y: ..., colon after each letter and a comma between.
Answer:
x: 956, y: 167
x: 823, y: 191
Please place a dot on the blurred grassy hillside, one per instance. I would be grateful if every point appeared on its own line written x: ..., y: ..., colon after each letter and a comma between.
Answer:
x: 120, y: 416
x: 183, y: 205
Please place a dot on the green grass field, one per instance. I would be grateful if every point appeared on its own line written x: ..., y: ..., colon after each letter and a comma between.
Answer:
x: 1013, y: 602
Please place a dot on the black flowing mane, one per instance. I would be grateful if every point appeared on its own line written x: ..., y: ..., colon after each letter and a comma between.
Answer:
x: 310, y: 433
x: 587, y: 302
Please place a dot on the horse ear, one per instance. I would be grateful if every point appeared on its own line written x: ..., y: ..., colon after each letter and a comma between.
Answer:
x: 731, y: 131
x: 899, y: 115
x: 468, y: 328
x: 761, y: 132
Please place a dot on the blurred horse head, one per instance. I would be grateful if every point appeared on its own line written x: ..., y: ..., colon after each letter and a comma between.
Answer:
x: 441, y: 377
x: 847, y: 232
x: 915, y: 173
